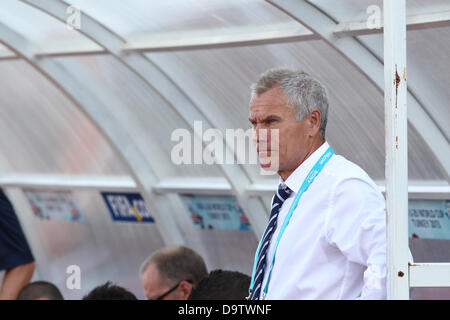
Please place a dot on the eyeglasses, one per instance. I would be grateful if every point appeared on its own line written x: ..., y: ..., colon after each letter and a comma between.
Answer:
x: 172, y: 289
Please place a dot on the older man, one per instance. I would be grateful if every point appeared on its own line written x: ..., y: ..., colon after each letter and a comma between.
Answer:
x: 326, y: 236
x: 171, y: 273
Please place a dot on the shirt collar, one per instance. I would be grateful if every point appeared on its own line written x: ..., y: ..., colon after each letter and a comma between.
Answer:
x: 295, y: 180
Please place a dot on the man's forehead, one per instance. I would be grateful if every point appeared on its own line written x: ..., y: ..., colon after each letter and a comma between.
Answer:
x: 259, y: 111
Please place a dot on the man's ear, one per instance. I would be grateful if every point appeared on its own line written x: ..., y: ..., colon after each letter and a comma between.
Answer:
x: 185, y: 289
x: 315, y: 118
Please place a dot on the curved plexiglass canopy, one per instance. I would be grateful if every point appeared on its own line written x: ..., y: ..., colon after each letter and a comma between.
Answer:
x: 91, y: 102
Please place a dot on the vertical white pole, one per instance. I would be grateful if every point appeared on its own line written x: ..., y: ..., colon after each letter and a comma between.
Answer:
x: 396, y: 149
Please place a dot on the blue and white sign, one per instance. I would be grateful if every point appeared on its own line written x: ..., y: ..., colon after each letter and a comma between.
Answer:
x: 429, y: 219
x: 129, y: 207
x: 54, y: 205
x: 215, y: 212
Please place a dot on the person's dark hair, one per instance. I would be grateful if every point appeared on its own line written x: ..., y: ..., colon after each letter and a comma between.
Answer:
x: 109, y: 291
x: 40, y: 290
x: 177, y: 263
x: 222, y: 285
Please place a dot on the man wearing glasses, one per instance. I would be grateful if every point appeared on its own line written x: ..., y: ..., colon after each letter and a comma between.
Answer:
x: 171, y: 273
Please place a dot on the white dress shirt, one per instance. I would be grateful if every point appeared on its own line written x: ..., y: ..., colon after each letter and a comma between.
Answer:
x: 334, y: 246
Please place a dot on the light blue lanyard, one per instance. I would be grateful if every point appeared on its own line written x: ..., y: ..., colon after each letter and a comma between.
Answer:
x: 308, y: 180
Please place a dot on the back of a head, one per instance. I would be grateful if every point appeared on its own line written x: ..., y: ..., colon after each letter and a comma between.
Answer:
x: 109, y: 291
x: 222, y: 285
x: 178, y: 263
x: 40, y: 290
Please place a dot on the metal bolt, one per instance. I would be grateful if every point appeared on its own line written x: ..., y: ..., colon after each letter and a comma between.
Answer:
x: 400, y: 274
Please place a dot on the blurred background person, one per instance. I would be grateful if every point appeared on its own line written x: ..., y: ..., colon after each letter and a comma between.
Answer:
x: 15, y: 254
x: 109, y: 291
x: 40, y: 290
x: 171, y: 273
x: 222, y: 285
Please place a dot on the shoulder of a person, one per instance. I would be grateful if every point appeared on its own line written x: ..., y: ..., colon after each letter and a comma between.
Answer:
x: 345, y: 171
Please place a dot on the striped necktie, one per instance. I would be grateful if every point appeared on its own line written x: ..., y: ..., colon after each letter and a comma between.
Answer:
x: 278, y: 199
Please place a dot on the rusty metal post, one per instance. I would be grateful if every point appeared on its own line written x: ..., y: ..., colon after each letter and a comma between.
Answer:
x: 396, y: 125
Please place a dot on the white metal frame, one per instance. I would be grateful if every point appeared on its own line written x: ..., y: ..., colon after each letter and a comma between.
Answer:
x: 58, y: 181
x: 219, y: 38
x: 201, y: 185
x: 401, y: 273
x: 429, y: 275
x: 396, y: 137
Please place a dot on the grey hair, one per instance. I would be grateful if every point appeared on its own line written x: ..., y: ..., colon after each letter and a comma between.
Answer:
x: 177, y: 263
x: 303, y: 92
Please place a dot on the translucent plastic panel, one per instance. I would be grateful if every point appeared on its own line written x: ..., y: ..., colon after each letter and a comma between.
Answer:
x: 146, y: 117
x: 42, y: 131
x: 427, y: 70
x: 37, y: 26
x: 417, y: 7
x: 131, y: 18
x: 356, y: 119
